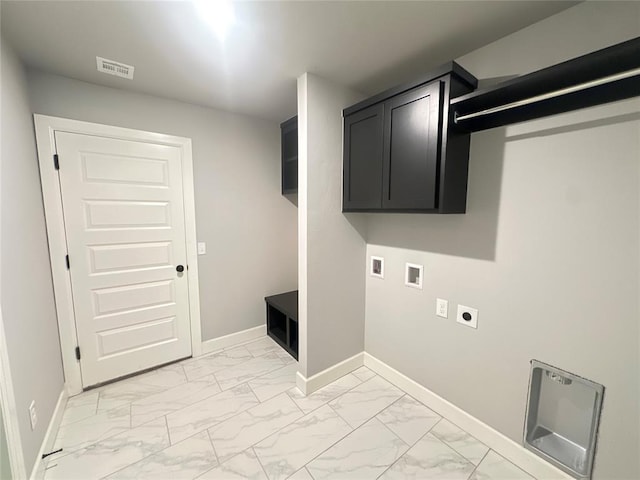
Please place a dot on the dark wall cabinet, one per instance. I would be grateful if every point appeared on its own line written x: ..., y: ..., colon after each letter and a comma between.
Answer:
x: 289, y: 148
x: 402, y: 151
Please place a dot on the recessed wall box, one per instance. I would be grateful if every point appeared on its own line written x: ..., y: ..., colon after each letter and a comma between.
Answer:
x: 376, y: 269
x: 413, y: 275
x: 563, y: 413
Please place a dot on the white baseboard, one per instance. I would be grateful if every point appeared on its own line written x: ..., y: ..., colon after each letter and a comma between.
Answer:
x: 50, y: 436
x: 495, y: 440
x: 233, y: 339
x: 331, y: 374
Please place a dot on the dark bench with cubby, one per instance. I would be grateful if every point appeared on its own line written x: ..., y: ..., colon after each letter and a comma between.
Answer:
x: 282, y: 320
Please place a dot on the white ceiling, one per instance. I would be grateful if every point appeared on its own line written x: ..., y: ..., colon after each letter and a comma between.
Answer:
x: 366, y: 45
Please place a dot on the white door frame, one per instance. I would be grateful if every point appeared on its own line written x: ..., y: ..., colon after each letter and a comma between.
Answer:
x: 46, y: 127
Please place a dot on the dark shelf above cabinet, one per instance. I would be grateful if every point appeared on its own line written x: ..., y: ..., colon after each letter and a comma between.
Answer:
x: 289, y: 160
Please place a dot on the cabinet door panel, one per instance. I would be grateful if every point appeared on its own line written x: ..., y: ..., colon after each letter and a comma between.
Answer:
x: 411, y: 149
x: 363, y: 140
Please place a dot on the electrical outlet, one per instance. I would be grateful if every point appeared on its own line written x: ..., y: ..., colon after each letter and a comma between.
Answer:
x: 442, y: 308
x: 202, y: 248
x: 467, y: 316
x: 33, y: 415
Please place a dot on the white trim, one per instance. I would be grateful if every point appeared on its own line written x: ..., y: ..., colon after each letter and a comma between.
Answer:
x: 10, y: 412
x: 45, y: 128
x: 495, y: 440
x: 50, y: 436
x: 233, y: 339
x: 328, y: 375
x: 192, y: 248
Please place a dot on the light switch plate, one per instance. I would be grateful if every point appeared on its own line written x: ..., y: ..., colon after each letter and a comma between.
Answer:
x: 202, y: 248
x: 467, y: 316
x: 442, y: 308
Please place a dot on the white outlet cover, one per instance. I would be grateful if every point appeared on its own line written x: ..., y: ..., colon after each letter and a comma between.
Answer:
x: 442, y: 308
x: 413, y: 275
x: 202, y: 248
x: 471, y: 319
x: 376, y: 268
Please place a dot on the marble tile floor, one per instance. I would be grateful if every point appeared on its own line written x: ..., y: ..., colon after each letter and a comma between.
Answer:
x: 236, y: 414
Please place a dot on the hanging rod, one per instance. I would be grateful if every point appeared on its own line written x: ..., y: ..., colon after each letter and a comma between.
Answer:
x: 550, y: 95
x: 603, y: 76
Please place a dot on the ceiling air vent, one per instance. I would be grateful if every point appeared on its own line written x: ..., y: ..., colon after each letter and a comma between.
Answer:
x: 114, y: 68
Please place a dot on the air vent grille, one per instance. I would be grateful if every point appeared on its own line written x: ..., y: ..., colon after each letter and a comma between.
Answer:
x: 115, y: 68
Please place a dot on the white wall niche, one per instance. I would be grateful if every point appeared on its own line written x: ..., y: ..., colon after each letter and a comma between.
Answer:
x: 413, y: 275
x: 376, y: 267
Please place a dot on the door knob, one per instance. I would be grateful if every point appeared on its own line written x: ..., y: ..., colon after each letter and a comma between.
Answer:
x: 180, y: 268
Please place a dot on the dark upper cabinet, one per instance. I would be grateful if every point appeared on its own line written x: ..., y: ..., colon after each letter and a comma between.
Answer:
x: 289, y: 150
x: 363, y: 146
x: 411, y: 149
x: 402, y: 151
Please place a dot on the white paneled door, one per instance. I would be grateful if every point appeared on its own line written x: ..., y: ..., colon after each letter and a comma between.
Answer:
x: 125, y: 230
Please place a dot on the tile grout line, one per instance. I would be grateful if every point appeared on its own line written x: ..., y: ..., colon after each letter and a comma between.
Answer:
x: 259, y: 461
x: 148, y: 456
x: 215, y: 452
x: 263, y: 438
x: 166, y: 426
x: 273, y: 396
x: 417, y: 441
x: 466, y: 433
x: 248, y: 358
x: 307, y: 414
x: 70, y: 451
x: 331, y: 400
x: 387, y: 427
x: 510, y: 462
x: 221, y: 421
x: 243, y: 363
x: 341, y: 418
x: 66, y: 409
x: 377, y: 413
x: 333, y: 444
x: 211, y: 396
x: 476, y: 467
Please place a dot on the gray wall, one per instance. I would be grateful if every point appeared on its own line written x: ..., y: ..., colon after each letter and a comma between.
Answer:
x: 249, y: 228
x: 332, y: 247
x: 26, y: 289
x: 548, y: 252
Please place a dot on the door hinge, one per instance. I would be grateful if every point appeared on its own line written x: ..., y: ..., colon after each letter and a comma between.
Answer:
x: 77, y: 353
x: 66, y: 258
x: 56, y: 162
